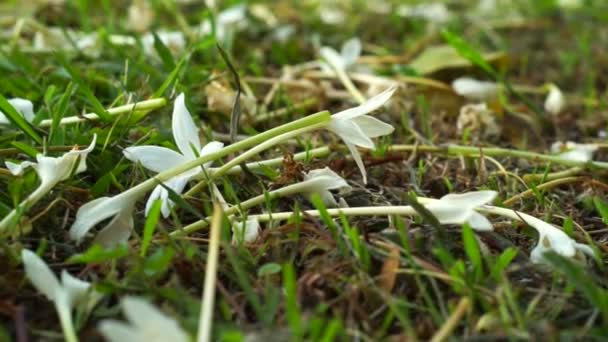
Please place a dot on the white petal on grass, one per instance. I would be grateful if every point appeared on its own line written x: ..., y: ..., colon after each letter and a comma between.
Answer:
x: 52, y: 169
x: 74, y: 287
x: 155, y: 158
x: 373, y: 127
x: 351, y: 50
x: 367, y: 107
x: 211, y: 147
x: 475, y: 89
x: 351, y: 133
x: 148, y: 324
x: 98, y: 210
x: 332, y: 57
x: 460, y: 208
x: 245, y: 231
x: 116, y: 331
x: 40, y: 275
x: 185, y: 131
x: 555, y: 101
x: 321, y: 181
x: 117, y: 231
x: 177, y: 184
x: 18, y: 169
x: 574, y: 151
x: 23, y: 107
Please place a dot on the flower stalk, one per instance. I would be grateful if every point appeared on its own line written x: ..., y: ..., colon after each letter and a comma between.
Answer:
x: 459, y: 150
x: 146, y: 105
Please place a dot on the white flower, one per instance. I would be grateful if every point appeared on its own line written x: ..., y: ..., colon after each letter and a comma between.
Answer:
x: 175, y: 41
x: 460, y: 209
x: 550, y: 238
x: 159, y: 159
x: 321, y: 181
x: 141, y: 15
x: 348, y: 56
x: 245, y: 231
x: 119, y: 208
x: 574, y: 151
x: 147, y: 324
x: 23, y: 107
x: 473, y: 89
x: 555, y: 101
x: 356, y: 128
x: 52, y: 170
x: 64, y: 294
x: 435, y: 12
x: 226, y: 22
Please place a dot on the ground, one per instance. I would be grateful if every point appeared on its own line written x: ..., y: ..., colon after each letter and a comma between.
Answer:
x: 373, y: 278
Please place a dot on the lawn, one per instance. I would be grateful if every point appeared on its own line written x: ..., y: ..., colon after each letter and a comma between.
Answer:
x: 303, y: 170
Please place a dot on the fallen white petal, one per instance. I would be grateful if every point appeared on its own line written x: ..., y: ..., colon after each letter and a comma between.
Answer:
x: 185, y: 131
x: 154, y: 158
x: 474, y: 89
x: 40, y: 275
x: 351, y: 50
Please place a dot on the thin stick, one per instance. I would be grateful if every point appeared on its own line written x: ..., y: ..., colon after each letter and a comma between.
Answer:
x: 450, y: 324
x: 206, y: 318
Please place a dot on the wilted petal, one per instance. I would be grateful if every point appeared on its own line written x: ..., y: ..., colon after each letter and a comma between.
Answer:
x: 185, y: 131
x: 40, y: 275
x: 320, y: 181
x: 474, y: 89
x: 479, y: 222
x: 53, y: 170
x: 460, y: 208
x: 574, y: 151
x: 154, y: 158
x: 351, y: 50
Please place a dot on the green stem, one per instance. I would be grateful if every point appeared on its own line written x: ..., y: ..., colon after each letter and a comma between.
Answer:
x: 458, y: 150
x: 257, y: 149
x: 65, y: 319
x: 317, y: 120
x: 314, y: 153
x: 138, y: 106
x: 24, y: 206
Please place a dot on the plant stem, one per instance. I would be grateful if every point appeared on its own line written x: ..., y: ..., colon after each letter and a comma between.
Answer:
x: 304, y: 124
x: 314, y: 153
x: 32, y: 199
x: 65, y: 319
x: 458, y: 150
x: 138, y: 106
x: 257, y: 149
x: 206, y: 318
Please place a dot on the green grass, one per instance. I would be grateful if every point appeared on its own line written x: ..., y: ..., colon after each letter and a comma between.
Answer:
x: 308, y: 278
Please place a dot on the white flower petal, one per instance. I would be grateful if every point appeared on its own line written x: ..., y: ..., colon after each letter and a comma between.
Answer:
x: 351, y: 50
x: 211, y: 147
x: 115, y: 331
x: 367, y: 106
x: 246, y: 231
x: 350, y: 133
x: 332, y: 57
x: 40, y: 275
x: 18, y: 169
x: 155, y: 158
x: 176, y: 184
x: 326, y: 179
x: 117, y: 231
x: 185, y: 131
x: 480, y: 223
x: 23, y: 107
x: 474, y: 89
x: 373, y: 127
x: 74, y: 288
x: 555, y: 101
x: 54, y: 170
x: 574, y: 151
x: 98, y: 210
x: 357, y: 158
x: 148, y: 321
